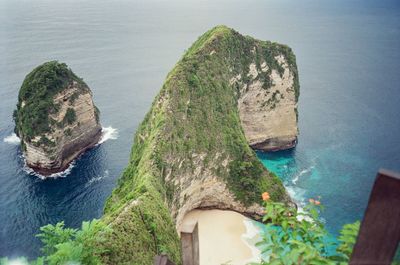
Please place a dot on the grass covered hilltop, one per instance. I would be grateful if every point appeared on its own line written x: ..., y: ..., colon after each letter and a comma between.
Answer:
x: 192, y: 150
x: 55, y: 118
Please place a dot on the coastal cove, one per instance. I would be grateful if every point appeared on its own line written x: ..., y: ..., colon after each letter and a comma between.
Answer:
x: 233, y: 244
x: 341, y: 144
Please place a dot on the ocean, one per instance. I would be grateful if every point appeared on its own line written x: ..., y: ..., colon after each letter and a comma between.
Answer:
x: 349, y: 109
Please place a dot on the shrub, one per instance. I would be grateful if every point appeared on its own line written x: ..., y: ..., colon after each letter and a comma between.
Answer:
x: 70, y: 116
x: 96, y: 114
x: 299, y: 237
x: 69, y: 246
x: 72, y: 246
x: 68, y: 132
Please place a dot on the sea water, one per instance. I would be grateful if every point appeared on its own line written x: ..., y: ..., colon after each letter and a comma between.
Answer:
x: 348, y: 59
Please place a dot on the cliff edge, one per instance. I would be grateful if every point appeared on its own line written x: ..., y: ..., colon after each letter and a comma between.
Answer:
x: 192, y: 150
x: 55, y: 118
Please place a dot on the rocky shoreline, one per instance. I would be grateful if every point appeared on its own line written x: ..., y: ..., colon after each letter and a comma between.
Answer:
x: 82, y: 148
x: 275, y: 144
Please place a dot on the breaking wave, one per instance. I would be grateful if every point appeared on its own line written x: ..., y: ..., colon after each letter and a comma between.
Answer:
x: 97, y: 179
x: 12, y: 139
x: 61, y: 174
x: 108, y: 133
x: 304, y: 171
x: 251, y: 237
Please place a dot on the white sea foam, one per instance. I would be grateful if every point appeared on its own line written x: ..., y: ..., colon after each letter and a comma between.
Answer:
x: 12, y: 139
x: 250, y: 238
x: 61, y: 174
x: 108, y: 133
x: 297, y: 193
x: 298, y: 196
x: 304, y: 171
x: 97, y: 179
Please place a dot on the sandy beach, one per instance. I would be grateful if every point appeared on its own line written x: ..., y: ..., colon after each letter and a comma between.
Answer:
x: 225, y: 237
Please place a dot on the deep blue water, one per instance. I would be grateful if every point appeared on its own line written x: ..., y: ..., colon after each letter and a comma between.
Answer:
x: 349, y: 63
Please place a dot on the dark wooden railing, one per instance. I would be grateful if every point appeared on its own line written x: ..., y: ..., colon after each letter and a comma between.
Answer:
x: 379, y: 234
x: 377, y: 240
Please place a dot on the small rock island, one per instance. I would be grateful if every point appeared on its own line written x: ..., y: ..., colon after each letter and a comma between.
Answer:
x: 55, y: 118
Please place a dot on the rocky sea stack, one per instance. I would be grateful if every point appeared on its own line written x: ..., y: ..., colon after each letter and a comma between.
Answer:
x: 228, y: 94
x: 55, y: 118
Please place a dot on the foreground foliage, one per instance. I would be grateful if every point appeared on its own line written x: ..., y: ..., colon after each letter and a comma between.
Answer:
x: 69, y: 246
x: 294, y: 237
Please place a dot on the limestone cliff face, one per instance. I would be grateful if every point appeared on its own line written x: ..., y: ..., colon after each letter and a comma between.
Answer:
x: 192, y: 150
x: 203, y: 189
x: 269, y: 115
x: 57, y: 121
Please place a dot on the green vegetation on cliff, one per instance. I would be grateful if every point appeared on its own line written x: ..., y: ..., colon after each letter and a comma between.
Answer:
x: 70, y: 116
x: 194, y: 113
x: 35, y: 99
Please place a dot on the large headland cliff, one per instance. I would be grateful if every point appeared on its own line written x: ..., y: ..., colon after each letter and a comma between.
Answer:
x: 55, y: 118
x: 229, y: 93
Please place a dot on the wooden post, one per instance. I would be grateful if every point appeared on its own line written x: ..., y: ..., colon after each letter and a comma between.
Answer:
x: 190, y: 245
x: 162, y: 260
x: 380, y: 229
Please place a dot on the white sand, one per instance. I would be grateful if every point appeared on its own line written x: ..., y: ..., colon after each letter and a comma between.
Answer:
x: 225, y: 237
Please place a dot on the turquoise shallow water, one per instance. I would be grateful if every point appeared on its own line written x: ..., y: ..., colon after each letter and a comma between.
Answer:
x: 349, y: 63
x: 340, y: 175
